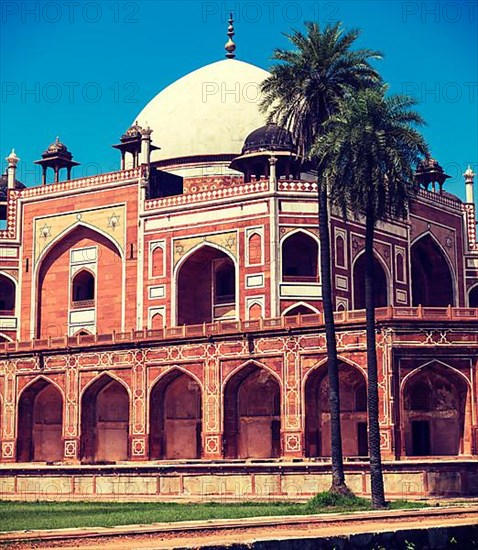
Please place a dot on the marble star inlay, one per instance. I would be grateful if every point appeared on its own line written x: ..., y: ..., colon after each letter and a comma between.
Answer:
x: 113, y: 220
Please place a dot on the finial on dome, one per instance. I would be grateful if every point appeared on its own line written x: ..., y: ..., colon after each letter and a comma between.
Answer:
x: 230, y: 45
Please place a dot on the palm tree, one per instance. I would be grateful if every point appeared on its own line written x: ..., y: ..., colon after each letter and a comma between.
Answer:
x: 301, y: 94
x: 372, y: 146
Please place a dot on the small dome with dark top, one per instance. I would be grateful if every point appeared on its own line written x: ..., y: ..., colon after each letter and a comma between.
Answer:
x: 270, y: 137
x: 57, y: 147
x: 133, y: 132
x: 429, y: 171
x: 4, y: 186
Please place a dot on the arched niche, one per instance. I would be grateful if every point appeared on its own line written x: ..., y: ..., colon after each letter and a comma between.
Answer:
x: 206, y: 287
x: 104, y: 421
x: 353, y: 412
x: 83, y: 286
x: 54, y: 293
x: 7, y: 295
x: 380, y: 284
x: 434, y: 412
x: 300, y: 257
x: 432, y: 281
x: 175, y: 417
x: 40, y: 417
x: 473, y: 297
x: 252, y: 414
x: 299, y: 309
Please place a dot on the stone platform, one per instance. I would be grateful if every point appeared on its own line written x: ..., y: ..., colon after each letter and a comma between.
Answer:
x: 231, y: 480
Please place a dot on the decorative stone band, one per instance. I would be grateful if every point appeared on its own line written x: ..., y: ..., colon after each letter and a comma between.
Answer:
x: 52, y: 189
x: 91, y: 181
x: 260, y: 186
x: 300, y: 186
x: 455, y: 204
x: 209, y: 330
x: 470, y: 218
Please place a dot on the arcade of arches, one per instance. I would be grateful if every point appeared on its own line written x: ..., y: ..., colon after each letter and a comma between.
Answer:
x: 434, y: 416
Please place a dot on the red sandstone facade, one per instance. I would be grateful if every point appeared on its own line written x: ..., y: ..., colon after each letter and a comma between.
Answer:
x: 179, y: 351
x: 137, y: 327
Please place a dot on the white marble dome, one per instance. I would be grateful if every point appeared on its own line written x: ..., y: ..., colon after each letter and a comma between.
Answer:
x: 209, y: 111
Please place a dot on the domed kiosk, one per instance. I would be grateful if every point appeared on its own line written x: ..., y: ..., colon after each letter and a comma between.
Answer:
x: 269, y: 144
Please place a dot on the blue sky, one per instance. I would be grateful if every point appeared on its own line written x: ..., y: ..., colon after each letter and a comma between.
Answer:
x: 83, y: 70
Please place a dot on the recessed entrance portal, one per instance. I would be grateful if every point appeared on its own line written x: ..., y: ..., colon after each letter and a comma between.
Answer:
x: 252, y: 414
x: 40, y: 414
x: 353, y: 412
x: 206, y: 287
x: 380, y: 287
x: 300, y: 256
x: 175, y: 417
x: 431, y: 278
x: 104, y: 421
x: 434, y: 412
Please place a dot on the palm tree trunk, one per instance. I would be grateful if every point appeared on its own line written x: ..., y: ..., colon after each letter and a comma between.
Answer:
x: 338, y: 477
x: 376, y: 476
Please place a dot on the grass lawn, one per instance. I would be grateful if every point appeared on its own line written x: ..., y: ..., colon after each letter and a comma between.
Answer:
x: 18, y: 516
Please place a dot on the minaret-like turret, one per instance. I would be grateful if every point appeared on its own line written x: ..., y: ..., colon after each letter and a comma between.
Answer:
x: 469, y: 181
x: 12, y: 160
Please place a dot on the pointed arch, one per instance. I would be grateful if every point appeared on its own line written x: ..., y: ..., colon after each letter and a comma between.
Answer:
x: 41, y: 377
x: 8, y: 294
x: 316, y: 412
x: 255, y: 310
x: 473, y: 296
x: 52, y: 275
x: 175, y: 416
x: 105, y: 412
x: 251, y: 412
x: 40, y: 421
x: 107, y: 374
x: 300, y: 256
x: 197, y: 247
x: 254, y: 248
x: 83, y: 287
x: 381, y: 281
x: 433, y: 278
x: 436, y: 413
x: 244, y: 365
x: 71, y: 229
x: 453, y: 370
x: 83, y: 332
x: 205, y: 285
x: 303, y: 308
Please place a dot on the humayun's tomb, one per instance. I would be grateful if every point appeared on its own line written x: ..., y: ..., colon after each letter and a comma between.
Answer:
x: 161, y: 333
